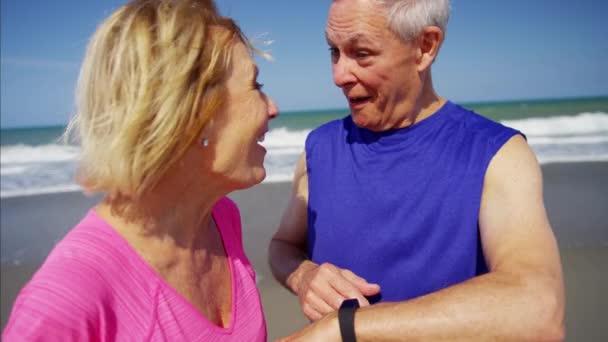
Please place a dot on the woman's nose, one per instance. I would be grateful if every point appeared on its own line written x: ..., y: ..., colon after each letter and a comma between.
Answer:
x: 273, y: 109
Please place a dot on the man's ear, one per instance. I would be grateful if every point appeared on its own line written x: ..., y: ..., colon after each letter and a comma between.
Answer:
x: 429, y: 41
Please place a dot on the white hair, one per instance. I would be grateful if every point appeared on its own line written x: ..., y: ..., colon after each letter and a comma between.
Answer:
x: 408, y: 18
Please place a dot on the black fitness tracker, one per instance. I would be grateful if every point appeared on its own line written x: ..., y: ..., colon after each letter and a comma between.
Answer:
x: 346, y: 318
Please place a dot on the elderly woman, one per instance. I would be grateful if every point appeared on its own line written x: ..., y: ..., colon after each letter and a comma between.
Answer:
x: 169, y: 117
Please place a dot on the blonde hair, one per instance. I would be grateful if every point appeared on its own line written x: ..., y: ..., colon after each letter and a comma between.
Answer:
x: 151, y: 80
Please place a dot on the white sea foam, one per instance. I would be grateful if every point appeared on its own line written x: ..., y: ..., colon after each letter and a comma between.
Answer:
x: 40, y: 190
x: 573, y: 159
x: 12, y: 170
x: 284, y: 139
x: 581, y: 124
x: 579, y: 139
x: 24, y: 154
x: 27, y: 170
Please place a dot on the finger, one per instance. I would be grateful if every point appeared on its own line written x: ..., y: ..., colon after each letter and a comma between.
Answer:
x: 313, y: 306
x: 327, y: 294
x: 322, y: 285
x: 347, y: 290
x: 366, y: 288
x: 318, y: 304
x: 311, y: 313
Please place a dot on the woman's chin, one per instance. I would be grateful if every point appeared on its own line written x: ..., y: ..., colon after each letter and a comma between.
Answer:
x: 256, y: 177
x: 259, y: 176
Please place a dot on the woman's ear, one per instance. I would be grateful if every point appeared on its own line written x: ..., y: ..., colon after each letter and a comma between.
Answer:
x: 205, y: 135
x: 429, y: 42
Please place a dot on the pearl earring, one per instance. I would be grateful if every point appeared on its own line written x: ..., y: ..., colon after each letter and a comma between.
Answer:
x: 205, y: 142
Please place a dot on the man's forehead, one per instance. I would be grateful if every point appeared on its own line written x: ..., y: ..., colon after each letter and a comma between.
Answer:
x: 359, y: 23
x: 349, y: 37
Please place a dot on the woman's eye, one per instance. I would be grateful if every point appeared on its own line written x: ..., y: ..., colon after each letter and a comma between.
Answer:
x: 258, y: 85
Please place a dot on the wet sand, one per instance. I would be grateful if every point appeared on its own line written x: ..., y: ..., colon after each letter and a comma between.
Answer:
x: 576, y: 196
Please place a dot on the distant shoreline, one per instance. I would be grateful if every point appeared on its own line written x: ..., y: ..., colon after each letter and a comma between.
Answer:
x: 77, y: 189
x: 536, y: 100
x: 346, y: 110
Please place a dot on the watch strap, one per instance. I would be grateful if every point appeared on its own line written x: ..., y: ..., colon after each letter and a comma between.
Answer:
x: 346, y: 318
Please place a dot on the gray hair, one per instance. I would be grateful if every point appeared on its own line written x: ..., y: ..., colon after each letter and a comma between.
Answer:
x: 408, y: 18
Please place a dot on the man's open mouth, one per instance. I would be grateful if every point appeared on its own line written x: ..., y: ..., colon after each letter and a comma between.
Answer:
x: 358, y: 100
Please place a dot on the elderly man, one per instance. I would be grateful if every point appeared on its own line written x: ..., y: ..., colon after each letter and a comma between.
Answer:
x: 424, y: 209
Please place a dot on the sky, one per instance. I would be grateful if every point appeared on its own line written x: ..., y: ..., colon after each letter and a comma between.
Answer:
x: 494, y: 50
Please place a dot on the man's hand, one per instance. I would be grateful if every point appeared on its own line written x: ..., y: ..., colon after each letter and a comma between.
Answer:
x: 322, y: 288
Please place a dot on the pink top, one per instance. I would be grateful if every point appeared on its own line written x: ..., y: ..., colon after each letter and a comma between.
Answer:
x: 94, y: 287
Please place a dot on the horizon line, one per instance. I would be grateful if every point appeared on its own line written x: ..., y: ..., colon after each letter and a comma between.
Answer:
x: 311, y: 110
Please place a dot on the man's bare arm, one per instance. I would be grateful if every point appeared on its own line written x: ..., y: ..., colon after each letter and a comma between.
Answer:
x: 320, y: 288
x: 521, y: 298
x: 287, y: 249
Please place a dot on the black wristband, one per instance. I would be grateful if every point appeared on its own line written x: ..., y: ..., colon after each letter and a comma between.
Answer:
x: 346, y: 317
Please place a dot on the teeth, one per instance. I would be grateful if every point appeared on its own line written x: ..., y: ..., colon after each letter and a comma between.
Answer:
x: 261, y: 138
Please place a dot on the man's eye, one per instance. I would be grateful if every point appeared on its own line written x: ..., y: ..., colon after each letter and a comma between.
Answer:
x: 334, y: 52
x: 258, y: 85
x: 362, y: 53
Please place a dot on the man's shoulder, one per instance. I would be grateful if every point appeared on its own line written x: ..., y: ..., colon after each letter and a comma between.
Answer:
x: 326, y: 131
x: 332, y: 126
x: 478, y: 124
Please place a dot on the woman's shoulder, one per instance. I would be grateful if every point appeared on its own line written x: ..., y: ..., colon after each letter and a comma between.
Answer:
x: 225, y: 205
x: 91, y: 250
x: 228, y: 218
x: 81, y: 263
x: 65, y: 293
x: 83, y: 281
x: 226, y: 213
x: 89, y: 262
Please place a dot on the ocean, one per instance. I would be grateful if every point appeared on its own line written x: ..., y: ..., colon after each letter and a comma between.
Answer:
x: 34, y: 161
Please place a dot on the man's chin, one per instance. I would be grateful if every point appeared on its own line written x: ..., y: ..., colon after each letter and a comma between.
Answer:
x: 362, y: 120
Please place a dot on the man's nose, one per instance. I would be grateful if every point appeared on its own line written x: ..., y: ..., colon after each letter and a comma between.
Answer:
x: 343, y: 72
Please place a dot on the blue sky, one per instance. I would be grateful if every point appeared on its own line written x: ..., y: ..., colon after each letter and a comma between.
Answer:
x: 495, y: 50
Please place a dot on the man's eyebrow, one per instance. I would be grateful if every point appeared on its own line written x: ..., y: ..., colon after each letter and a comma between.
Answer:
x: 359, y: 38
x: 327, y: 38
x: 352, y: 39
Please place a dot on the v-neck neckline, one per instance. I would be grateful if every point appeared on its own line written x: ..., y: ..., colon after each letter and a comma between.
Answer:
x: 162, y: 282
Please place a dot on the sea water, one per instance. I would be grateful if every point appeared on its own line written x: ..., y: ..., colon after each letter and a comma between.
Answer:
x: 34, y: 160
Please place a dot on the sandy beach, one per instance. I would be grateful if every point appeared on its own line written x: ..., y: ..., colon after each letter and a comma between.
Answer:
x: 576, y: 197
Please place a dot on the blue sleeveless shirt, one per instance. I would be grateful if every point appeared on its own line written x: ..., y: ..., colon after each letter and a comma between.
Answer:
x: 400, y: 208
